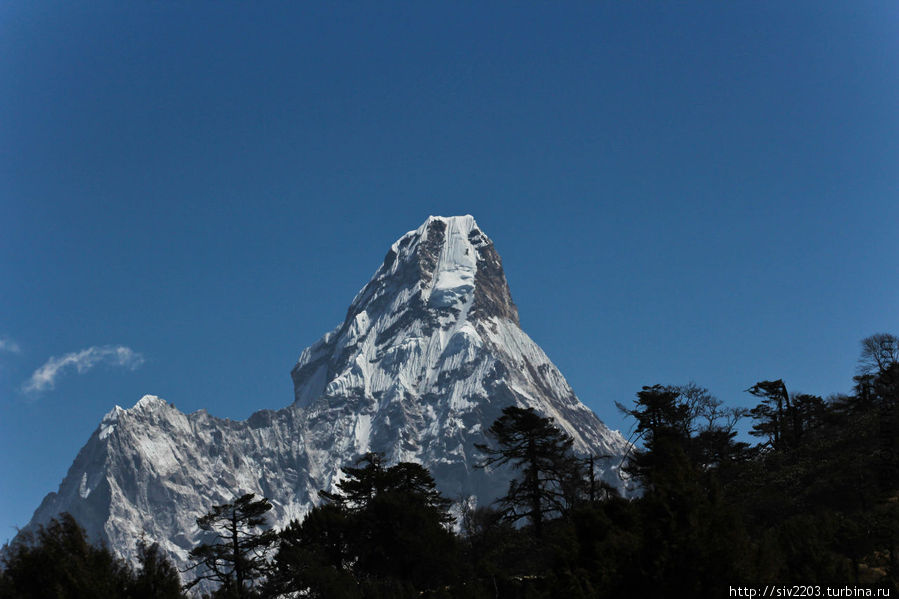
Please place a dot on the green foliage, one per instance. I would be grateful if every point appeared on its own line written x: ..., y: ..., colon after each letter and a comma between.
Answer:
x: 315, y: 556
x: 689, y: 535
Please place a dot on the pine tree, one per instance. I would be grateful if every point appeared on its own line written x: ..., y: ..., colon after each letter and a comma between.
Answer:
x: 383, y: 532
x: 542, y: 453
x: 59, y: 561
x: 691, y: 538
x: 236, y: 557
x: 315, y: 557
x: 363, y: 484
x: 157, y: 577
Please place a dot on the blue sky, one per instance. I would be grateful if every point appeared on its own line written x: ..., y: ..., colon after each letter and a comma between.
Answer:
x: 193, y: 192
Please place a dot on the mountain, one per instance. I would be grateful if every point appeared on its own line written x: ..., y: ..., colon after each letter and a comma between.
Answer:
x: 429, y: 353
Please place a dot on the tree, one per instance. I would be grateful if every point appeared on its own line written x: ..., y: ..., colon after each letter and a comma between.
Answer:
x: 315, y: 557
x: 362, y: 485
x: 877, y: 390
x: 690, y: 538
x: 879, y: 352
x: 157, y: 577
x: 664, y: 422
x: 382, y: 532
x: 775, y: 416
x: 58, y: 561
x: 782, y: 417
x: 236, y: 558
x: 533, y: 445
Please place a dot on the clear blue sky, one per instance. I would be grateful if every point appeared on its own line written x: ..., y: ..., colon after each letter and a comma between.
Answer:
x: 705, y: 191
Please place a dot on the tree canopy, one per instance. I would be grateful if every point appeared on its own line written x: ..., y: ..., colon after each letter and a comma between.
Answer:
x: 548, y: 470
x: 384, y: 531
x: 58, y: 561
x: 235, y: 557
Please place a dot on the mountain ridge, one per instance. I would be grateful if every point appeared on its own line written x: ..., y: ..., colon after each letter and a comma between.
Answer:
x: 429, y: 353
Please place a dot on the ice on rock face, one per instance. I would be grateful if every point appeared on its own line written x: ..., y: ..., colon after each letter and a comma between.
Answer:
x: 429, y: 354
x: 83, y: 489
x: 108, y: 424
x: 149, y: 402
x: 442, y: 351
x: 456, y: 265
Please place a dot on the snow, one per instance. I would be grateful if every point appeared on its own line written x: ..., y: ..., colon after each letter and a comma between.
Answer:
x: 314, y: 387
x: 158, y: 451
x: 108, y: 424
x: 106, y: 430
x: 420, y: 362
x: 411, y: 373
x: 149, y: 402
x: 363, y: 433
x: 83, y: 489
x: 456, y: 266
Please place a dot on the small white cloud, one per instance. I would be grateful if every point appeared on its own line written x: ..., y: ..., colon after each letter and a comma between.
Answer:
x: 81, y: 361
x: 8, y: 345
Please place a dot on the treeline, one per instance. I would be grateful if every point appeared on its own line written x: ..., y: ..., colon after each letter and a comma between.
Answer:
x: 814, y: 502
x: 58, y: 562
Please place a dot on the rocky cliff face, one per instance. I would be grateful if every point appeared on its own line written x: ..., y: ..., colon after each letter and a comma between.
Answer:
x: 428, y: 355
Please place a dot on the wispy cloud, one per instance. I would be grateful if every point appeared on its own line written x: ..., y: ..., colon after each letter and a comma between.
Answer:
x: 8, y: 345
x: 81, y: 361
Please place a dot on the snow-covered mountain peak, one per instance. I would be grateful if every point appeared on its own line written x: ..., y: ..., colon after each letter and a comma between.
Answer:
x: 429, y: 354
x: 432, y: 337
x: 149, y: 402
x: 465, y: 224
x: 438, y: 286
x: 446, y: 264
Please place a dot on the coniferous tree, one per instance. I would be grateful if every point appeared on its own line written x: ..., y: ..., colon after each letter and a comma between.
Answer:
x: 235, y: 559
x: 316, y: 557
x: 547, y: 467
x: 821, y: 501
x: 690, y: 537
x: 58, y: 561
x: 775, y: 417
x: 663, y: 423
x: 363, y: 484
x: 496, y: 550
x: 816, y: 500
x: 382, y: 532
x: 157, y: 577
